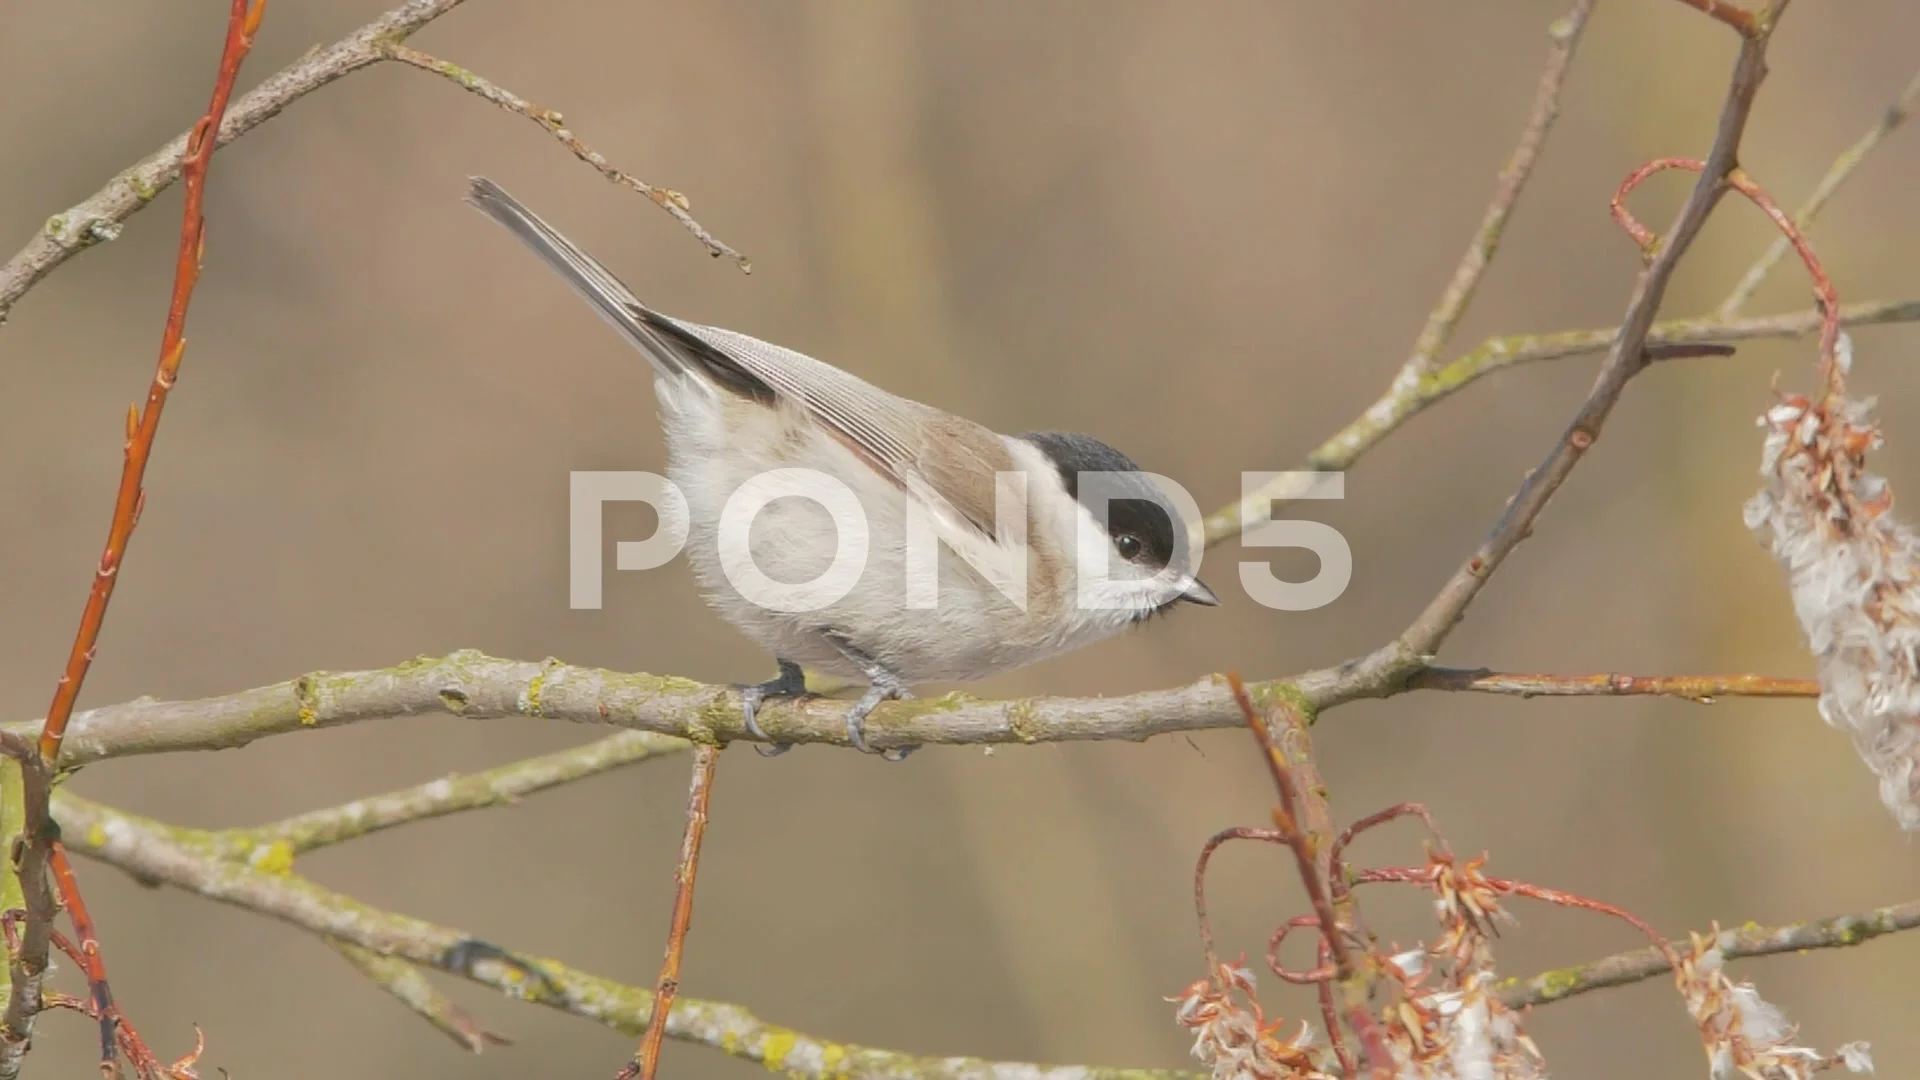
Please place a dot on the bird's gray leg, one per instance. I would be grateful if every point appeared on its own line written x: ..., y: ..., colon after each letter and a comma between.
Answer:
x: 792, y: 682
x: 882, y: 684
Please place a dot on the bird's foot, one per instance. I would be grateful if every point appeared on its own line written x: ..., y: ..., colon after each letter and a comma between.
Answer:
x: 791, y: 683
x: 882, y: 685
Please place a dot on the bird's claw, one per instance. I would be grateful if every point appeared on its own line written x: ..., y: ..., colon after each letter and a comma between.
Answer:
x: 790, y: 683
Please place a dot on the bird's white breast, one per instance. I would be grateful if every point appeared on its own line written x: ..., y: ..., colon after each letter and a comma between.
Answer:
x: 717, y: 442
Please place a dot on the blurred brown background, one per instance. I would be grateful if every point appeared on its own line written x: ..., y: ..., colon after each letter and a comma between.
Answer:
x: 1208, y: 233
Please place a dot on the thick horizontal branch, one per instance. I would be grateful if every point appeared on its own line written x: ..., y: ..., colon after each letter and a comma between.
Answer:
x: 1836, y: 932
x: 471, y: 684
x: 159, y: 854
x: 666, y: 708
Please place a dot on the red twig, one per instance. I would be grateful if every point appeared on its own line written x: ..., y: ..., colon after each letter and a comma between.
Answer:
x: 646, y: 1061
x: 1380, y: 817
x: 1238, y: 832
x: 1286, y: 819
x: 42, y: 850
x: 1424, y: 875
x: 114, y: 1025
x: 1319, y: 975
x: 1823, y: 290
x: 143, y: 424
x: 1330, y: 1016
x: 1737, y: 17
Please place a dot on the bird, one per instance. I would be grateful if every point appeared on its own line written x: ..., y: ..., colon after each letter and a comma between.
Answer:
x: 735, y: 410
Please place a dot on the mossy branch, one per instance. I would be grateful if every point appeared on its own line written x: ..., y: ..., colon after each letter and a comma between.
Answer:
x: 1834, y: 932
x: 663, y: 709
x: 192, y: 860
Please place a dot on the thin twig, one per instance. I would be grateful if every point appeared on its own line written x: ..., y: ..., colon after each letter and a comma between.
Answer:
x: 646, y: 1061
x: 160, y: 854
x: 1200, y: 865
x: 1424, y: 875
x: 1624, y: 359
x: 1837, y: 175
x: 41, y: 842
x: 1406, y: 398
x: 411, y: 988
x: 550, y: 121
x: 144, y: 423
x: 1733, y: 15
x: 1565, y: 37
x: 1374, y: 820
x: 1836, y: 932
x: 100, y: 217
x: 499, y: 786
x: 1738, y: 180
x: 1698, y: 688
x: 115, y: 1028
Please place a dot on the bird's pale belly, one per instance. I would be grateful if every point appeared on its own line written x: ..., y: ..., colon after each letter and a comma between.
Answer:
x: 971, y: 632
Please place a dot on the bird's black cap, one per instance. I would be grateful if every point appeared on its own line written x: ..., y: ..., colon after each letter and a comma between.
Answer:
x: 1138, y: 507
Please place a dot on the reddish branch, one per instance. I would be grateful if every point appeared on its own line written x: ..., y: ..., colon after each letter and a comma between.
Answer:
x: 1425, y: 875
x: 1213, y: 844
x: 647, y: 1060
x: 42, y: 850
x: 144, y: 424
x: 1350, y: 978
x: 1737, y: 17
x: 1823, y: 290
x: 1700, y: 688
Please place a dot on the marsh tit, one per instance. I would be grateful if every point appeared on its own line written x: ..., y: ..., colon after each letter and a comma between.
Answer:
x: 1097, y: 546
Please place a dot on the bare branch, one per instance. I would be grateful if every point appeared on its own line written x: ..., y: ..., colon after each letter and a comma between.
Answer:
x: 1625, y: 359
x: 1839, y: 931
x: 448, y: 795
x: 158, y: 853
x: 474, y: 685
x: 646, y: 1061
x: 100, y: 217
x: 1409, y: 396
x: 143, y: 423
x: 1699, y: 688
x: 1565, y: 35
x: 471, y: 684
x: 39, y: 853
x: 1837, y: 175
x: 411, y: 988
x: 671, y: 201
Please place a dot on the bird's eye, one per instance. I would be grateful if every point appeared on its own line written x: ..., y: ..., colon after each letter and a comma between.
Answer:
x: 1128, y: 545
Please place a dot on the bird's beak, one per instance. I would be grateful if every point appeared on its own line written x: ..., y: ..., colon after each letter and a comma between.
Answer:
x: 1195, y: 591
